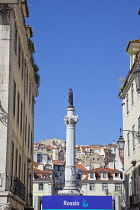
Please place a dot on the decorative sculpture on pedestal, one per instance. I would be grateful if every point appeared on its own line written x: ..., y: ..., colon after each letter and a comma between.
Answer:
x: 70, y: 100
x: 70, y: 119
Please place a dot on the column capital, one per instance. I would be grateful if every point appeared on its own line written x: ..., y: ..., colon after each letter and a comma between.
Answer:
x: 70, y: 120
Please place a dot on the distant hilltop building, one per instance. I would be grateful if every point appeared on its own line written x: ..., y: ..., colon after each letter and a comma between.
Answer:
x: 53, y: 141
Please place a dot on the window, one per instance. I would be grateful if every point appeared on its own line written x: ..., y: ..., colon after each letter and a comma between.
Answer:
x: 30, y: 93
x: 104, y: 175
x: 24, y: 172
x: 19, y: 52
x: 33, y: 103
x: 127, y: 107
x: 27, y: 83
x: 16, y: 163
x: 25, y: 129
x: 133, y: 138
x: 91, y: 175
x: 18, y: 104
x: 21, y: 110
x: 121, y: 153
x: 39, y: 158
x: 104, y: 187
x: 60, y: 174
x: 15, y: 40
x: 22, y: 68
x: 31, y: 142
x: 14, y: 99
x: 132, y: 94
x: 40, y: 186
x: 12, y: 162
x: 128, y: 142
x: 28, y: 136
x: 19, y: 168
x: 117, y: 187
x: 92, y: 187
x: 97, y: 158
x: 139, y: 126
x: 93, y: 158
x: 116, y: 174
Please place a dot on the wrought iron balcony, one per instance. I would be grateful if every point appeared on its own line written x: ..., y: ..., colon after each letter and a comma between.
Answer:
x: 19, y: 188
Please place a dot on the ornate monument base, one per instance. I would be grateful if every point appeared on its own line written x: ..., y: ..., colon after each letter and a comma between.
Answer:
x: 69, y: 192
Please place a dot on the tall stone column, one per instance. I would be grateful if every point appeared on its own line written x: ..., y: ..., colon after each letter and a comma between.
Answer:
x: 70, y: 187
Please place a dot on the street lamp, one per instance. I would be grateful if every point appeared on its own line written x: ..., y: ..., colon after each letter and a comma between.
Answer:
x: 121, y: 141
x: 136, y: 73
x: 136, y: 134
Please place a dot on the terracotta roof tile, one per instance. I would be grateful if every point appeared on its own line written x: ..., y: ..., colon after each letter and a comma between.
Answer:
x: 80, y: 167
x: 112, y: 145
x: 101, y: 169
x: 58, y: 162
x: 41, y: 171
x: 35, y: 164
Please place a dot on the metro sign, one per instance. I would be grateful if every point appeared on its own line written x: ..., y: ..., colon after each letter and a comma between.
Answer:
x: 77, y: 202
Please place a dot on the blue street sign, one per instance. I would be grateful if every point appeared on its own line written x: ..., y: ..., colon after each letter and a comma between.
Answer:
x: 77, y: 202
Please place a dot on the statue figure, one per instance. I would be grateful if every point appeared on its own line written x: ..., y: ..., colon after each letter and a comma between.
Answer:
x: 70, y: 100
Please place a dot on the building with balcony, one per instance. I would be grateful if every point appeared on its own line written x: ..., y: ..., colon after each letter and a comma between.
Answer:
x: 130, y: 95
x: 18, y: 88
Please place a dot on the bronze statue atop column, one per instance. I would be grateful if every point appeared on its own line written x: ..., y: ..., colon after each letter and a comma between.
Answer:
x: 70, y: 99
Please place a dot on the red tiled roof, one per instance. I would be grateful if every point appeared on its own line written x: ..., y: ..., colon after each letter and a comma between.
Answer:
x: 35, y: 164
x: 49, y: 147
x: 45, y: 178
x: 96, y: 147
x: 101, y: 169
x: 38, y: 171
x: 80, y: 167
x: 108, y: 149
x: 58, y: 162
x: 112, y: 145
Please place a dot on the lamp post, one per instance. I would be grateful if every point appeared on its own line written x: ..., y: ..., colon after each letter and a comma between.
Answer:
x: 136, y: 134
x: 121, y: 142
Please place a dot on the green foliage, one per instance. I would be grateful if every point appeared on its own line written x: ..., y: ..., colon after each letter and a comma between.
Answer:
x: 133, y: 51
x: 121, y: 88
x: 35, y: 67
x: 122, y: 81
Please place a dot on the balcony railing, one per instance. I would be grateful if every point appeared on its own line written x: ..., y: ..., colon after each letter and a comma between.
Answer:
x: 19, y: 188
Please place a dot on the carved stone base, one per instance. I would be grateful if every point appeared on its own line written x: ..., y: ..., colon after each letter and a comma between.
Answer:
x: 70, y: 191
x: 5, y: 206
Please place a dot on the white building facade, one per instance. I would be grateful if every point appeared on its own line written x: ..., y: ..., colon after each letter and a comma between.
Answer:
x: 18, y: 88
x: 130, y: 95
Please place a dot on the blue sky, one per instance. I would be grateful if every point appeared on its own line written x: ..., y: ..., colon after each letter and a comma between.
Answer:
x: 80, y: 44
